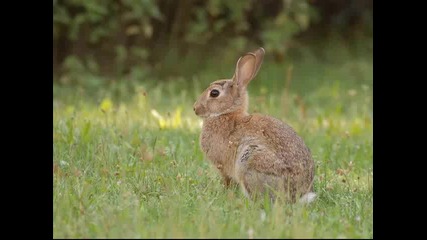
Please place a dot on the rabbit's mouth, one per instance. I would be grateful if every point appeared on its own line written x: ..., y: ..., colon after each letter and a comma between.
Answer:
x: 199, y: 110
x: 203, y: 114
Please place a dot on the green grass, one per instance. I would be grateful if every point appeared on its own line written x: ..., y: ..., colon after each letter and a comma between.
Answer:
x: 124, y: 173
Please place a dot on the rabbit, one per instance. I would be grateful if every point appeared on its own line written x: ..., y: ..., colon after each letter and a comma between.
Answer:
x: 260, y: 153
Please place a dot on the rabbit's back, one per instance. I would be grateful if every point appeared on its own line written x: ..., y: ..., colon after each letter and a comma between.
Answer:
x: 285, y: 153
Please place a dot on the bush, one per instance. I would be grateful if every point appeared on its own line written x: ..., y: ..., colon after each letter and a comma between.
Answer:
x: 139, y: 37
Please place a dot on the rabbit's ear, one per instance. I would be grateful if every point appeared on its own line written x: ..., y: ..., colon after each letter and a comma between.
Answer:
x: 248, y: 66
x: 245, y: 69
x: 259, y: 55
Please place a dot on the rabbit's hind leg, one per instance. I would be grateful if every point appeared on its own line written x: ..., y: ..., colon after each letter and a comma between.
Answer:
x: 253, y: 182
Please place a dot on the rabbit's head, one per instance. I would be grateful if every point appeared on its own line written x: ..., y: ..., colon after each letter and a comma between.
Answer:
x: 230, y: 95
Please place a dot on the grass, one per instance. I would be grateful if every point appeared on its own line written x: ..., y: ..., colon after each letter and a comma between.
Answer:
x: 127, y: 163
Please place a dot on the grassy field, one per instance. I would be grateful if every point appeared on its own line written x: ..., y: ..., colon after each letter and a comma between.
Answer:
x: 127, y: 163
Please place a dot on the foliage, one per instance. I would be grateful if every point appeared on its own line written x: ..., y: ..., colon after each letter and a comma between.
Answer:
x: 139, y: 38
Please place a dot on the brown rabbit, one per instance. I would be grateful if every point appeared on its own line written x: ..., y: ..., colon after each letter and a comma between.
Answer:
x: 261, y: 153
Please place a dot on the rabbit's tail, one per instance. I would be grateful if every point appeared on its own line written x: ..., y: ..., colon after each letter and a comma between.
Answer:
x: 308, y: 197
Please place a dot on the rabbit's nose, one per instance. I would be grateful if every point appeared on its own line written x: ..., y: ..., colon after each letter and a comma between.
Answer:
x: 196, y: 108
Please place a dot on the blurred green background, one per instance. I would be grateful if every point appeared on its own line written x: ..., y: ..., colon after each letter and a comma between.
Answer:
x: 101, y: 41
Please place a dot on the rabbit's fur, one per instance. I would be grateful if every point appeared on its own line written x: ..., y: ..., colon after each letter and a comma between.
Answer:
x: 260, y: 153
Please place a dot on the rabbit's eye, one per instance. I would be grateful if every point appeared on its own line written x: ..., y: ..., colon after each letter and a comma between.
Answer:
x: 214, y: 93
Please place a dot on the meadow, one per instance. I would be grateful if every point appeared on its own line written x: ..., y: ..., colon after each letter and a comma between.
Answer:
x: 127, y: 161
